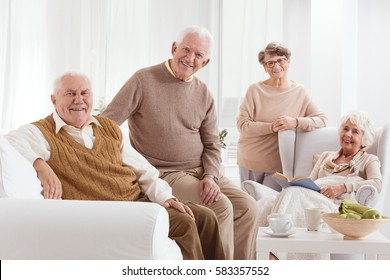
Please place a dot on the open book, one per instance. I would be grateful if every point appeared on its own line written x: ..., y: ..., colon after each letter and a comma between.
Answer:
x: 298, y: 181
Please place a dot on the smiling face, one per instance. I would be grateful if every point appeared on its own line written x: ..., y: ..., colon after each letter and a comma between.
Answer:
x: 73, y: 99
x: 189, y: 56
x: 276, y: 66
x: 351, y: 137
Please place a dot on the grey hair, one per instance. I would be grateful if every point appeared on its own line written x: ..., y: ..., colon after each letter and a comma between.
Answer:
x: 58, y: 82
x: 202, y: 33
x: 364, y: 122
x: 272, y: 49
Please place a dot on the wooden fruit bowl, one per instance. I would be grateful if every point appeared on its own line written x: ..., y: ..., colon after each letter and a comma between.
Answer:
x: 353, y: 228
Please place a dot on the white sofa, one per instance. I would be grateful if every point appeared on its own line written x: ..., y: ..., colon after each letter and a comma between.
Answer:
x: 36, y: 228
x: 297, y: 149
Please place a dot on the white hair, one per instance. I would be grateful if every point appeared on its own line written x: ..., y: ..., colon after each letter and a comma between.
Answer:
x: 58, y: 82
x: 202, y: 33
x: 364, y: 122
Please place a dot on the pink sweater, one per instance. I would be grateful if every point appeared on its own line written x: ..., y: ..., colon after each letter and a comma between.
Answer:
x: 258, y: 148
x: 172, y: 123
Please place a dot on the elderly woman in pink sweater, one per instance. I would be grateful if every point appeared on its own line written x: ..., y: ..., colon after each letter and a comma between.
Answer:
x: 270, y: 106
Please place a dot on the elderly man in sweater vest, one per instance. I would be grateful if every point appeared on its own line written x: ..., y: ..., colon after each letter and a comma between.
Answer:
x: 79, y: 156
x: 172, y: 121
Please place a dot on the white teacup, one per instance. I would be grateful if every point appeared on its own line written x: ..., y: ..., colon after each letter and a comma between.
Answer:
x: 280, y: 225
x: 280, y: 222
x: 280, y: 215
x: 313, y: 218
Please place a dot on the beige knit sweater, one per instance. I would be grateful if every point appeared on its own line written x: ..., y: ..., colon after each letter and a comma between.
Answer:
x: 90, y: 174
x: 172, y: 123
x: 364, y: 166
x: 258, y: 148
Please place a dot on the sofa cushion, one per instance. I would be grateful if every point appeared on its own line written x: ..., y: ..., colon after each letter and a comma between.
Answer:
x: 18, y: 178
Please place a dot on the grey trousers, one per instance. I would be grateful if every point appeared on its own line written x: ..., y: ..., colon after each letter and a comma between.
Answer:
x: 259, y: 177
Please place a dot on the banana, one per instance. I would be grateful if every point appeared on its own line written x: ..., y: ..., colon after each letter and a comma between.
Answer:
x: 372, y: 214
x: 353, y: 216
x: 349, y: 206
x: 351, y: 209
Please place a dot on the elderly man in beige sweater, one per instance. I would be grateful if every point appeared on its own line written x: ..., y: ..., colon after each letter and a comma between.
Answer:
x: 172, y: 121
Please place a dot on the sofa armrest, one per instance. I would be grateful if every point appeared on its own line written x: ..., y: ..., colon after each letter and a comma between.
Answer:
x: 66, y: 229
x: 286, y: 142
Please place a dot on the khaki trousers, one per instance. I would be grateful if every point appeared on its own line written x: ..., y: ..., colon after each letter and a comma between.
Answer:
x: 198, y: 239
x: 236, y: 211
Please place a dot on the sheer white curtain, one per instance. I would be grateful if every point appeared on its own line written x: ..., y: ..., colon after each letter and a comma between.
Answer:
x: 336, y: 48
x: 41, y: 39
x: 248, y: 26
x: 23, y: 61
x: 108, y: 40
x: 137, y: 40
x: 333, y: 43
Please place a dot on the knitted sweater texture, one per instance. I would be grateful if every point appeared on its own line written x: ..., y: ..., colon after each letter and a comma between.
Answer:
x: 172, y: 123
x: 90, y: 174
x: 258, y: 148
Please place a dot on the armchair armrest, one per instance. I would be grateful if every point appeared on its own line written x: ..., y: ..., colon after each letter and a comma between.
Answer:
x: 367, y: 195
x: 257, y: 190
x: 286, y: 142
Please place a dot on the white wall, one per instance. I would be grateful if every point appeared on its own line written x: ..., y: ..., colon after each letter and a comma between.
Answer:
x: 356, y: 77
x: 374, y: 61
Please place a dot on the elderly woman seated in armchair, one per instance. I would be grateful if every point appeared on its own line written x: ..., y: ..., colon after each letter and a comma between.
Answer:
x: 340, y: 174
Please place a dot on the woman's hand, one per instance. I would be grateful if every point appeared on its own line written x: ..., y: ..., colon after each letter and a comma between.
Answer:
x: 52, y: 188
x: 284, y: 123
x: 333, y: 191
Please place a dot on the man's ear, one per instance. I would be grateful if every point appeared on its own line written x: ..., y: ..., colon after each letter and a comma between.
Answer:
x: 174, y: 48
x: 53, y: 99
x: 205, y: 62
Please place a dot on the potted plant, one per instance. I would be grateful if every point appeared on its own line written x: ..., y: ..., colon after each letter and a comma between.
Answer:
x: 222, y: 135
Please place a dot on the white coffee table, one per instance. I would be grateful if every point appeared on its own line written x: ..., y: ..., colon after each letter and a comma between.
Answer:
x: 373, y: 246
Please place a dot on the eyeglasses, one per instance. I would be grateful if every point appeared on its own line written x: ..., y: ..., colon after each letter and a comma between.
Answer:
x: 280, y: 61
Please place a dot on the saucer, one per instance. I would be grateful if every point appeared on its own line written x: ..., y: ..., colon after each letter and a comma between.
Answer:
x: 284, y: 234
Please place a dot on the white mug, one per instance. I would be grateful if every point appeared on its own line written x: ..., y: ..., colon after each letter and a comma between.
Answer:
x: 313, y: 218
x: 280, y: 225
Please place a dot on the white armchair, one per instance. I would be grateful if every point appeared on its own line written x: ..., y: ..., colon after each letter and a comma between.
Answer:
x: 297, y: 149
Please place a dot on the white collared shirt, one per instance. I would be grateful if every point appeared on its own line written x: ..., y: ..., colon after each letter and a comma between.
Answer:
x: 83, y: 136
x: 31, y: 143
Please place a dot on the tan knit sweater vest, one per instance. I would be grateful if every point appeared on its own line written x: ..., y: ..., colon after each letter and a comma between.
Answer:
x: 90, y: 174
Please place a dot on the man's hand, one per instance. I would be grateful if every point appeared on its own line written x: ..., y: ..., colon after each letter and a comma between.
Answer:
x: 172, y: 203
x: 210, y: 191
x: 52, y: 188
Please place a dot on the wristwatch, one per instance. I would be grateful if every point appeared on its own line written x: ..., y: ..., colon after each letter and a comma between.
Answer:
x: 215, y: 178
